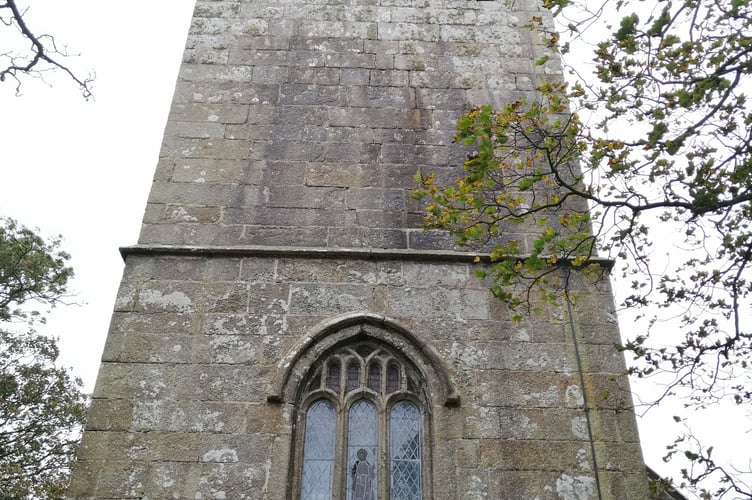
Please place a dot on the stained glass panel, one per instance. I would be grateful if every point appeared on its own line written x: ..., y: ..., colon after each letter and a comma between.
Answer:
x: 318, y: 452
x: 404, y: 452
x: 362, y: 448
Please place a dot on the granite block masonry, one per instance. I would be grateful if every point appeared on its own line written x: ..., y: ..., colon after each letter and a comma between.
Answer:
x: 284, y: 311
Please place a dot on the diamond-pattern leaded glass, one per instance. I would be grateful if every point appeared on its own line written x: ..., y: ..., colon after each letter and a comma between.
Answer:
x: 404, y: 451
x: 318, y: 452
x: 362, y: 447
x: 373, y: 370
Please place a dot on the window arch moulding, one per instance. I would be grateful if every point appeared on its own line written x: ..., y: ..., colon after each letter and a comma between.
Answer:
x: 293, y: 369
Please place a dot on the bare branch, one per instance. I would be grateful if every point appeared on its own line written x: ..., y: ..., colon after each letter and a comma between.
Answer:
x: 42, y: 54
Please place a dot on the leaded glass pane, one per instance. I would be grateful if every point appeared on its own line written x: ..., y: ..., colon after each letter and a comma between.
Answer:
x: 332, y: 376
x: 392, y: 378
x: 362, y: 447
x: 404, y: 452
x: 374, y: 377
x: 318, y: 452
x: 353, y: 376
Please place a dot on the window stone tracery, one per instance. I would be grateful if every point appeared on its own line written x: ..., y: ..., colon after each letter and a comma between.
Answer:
x: 375, y: 399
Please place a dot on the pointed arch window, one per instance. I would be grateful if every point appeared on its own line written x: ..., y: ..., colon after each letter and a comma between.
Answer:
x: 362, y: 424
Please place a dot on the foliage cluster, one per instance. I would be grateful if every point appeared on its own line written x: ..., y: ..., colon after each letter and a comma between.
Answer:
x: 655, y: 144
x: 41, y: 405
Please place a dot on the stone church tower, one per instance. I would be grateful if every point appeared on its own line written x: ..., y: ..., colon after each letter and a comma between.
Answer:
x: 286, y: 330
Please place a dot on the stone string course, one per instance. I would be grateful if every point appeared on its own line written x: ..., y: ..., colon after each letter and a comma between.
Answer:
x: 300, y: 124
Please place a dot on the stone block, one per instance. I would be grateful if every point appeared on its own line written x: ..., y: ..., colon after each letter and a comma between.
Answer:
x: 269, y: 74
x: 389, y: 78
x: 258, y: 269
x: 276, y: 173
x: 121, y: 479
x: 334, y: 299
x: 338, y: 29
x: 191, y: 234
x: 220, y: 382
x: 327, y: 44
x: 381, y: 97
x: 309, y: 95
x: 168, y: 480
x: 416, y: 154
x: 271, y: 420
x: 213, y: 73
x: 254, y: 130
x: 335, y: 174
x: 109, y: 415
x: 449, y: 275
x: 315, y: 75
x: 542, y: 485
x: 379, y: 218
x: 230, y: 480
x: 187, y: 213
x: 381, y: 118
x: 197, y: 130
x: 223, y: 149
x: 133, y: 381
x: 339, y: 271
x: 441, y: 99
x: 354, y: 76
x: 306, y: 197
x: 141, y: 347
x: 352, y: 152
x: 195, y: 193
x: 290, y: 217
x: 536, y: 455
x: 236, y: 324
x: 364, y: 237
x: 420, y: 239
x: 169, y: 297
x: 244, y: 448
x: 432, y: 302
x: 206, y: 56
x: 300, y: 115
x: 521, y: 356
x: 408, y: 31
x: 430, y: 79
x: 209, y: 112
x: 206, y: 417
x: 526, y: 389
x: 184, y: 268
x: 276, y: 236
x: 417, y: 62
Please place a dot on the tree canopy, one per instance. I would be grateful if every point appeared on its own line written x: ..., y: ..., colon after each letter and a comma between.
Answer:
x: 27, y: 53
x: 41, y: 405
x: 651, y: 142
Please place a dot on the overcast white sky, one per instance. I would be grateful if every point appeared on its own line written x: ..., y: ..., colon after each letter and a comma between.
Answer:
x: 83, y: 169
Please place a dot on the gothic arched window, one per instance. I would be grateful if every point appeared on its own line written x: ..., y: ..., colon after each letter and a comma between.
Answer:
x: 362, y: 427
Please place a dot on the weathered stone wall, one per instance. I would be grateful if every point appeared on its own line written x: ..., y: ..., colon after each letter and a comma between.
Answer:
x: 181, y: 401
x: 281, y: 203
x: 302, y: 122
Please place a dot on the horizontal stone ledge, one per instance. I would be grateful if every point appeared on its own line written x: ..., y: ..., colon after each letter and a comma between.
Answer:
x: 322, y: 253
